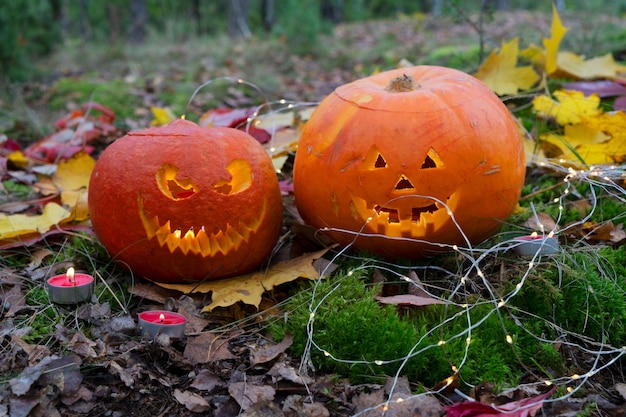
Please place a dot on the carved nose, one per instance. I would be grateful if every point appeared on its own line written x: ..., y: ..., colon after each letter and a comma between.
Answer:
x: 404, y: 184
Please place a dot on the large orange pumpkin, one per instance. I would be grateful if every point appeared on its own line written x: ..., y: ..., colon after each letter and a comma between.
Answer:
x: 186, y: 203
x: 399, y: 162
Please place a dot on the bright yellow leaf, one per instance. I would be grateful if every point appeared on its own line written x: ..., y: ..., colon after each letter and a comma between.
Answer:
x: 19, y: 225
x: 249, y: 288
x: 599, y: 67
x: 535, y: 54
x: 613, y: 124
x: 557, y: 31
x: 162, y: 116
x: 72, y: 179
x: 599, y: 138
x: 18, y: 159
x: 500, y: 71
x: 569, y: 107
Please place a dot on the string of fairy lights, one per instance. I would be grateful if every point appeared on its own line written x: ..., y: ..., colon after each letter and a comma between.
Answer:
x: 473, y: 275
x: 605, y: 177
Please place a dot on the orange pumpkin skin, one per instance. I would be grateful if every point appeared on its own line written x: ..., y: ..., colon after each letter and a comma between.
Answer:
x: 386, y: 167
x: 186, y: 203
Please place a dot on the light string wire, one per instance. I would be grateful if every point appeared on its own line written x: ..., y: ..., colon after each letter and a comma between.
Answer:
x: 596, y: 177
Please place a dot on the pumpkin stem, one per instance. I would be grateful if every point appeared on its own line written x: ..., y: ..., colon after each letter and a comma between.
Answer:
x: 402, y: 84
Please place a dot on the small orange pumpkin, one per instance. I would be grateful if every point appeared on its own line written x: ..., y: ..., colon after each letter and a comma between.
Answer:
x: 186, y: 203
x: 387, y: 160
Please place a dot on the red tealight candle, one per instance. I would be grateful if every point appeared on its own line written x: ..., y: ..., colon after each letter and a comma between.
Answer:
x: 155, y: 322
x: 536, y: 244
x: 70, y: 288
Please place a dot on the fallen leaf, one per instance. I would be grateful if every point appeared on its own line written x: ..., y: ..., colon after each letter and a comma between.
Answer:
x: 408, y: 299
x: 207, y: 347
x: 271, y: 352
x: 249, y: 288
x: 557, y: 31
x: 193, y: 402
x: 281, y: 370
x: 205, y: 380
x: 570, y: 107
x: 247, y: 394
x: 599, y: 67
x: 82, y: 346
x: 501, y: 73
x: 72, y: 179
x: 522, y: 408
x: 161, y: 116
x: 601, y: 88
x: 540, y: 222
x: 15, y: 226
x: 37, y: 258
x: 15, y: 299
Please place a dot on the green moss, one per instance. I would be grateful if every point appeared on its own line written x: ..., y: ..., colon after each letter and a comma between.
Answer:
x: 352, y: 331
x: 116, y: 94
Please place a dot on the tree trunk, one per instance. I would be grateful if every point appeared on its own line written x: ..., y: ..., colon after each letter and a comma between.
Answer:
x: 113, y: 13
x: 268, y: 14
x: 238, y: 19
x: 83, y: 21
x: 138, y: 21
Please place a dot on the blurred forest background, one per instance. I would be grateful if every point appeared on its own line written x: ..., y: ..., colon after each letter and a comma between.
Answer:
x: 31, y: 29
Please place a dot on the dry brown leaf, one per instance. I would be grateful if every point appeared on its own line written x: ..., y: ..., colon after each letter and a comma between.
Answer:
x: 541, y: 222
x: 247, y: 394
x: 249, y: 288
x: 408, y: 299
x: 282, y: 370
x: 15, y: 299
x: 269, y: 353
x: 205, y: 380
x: 194, y: 402
x: 207, y: 347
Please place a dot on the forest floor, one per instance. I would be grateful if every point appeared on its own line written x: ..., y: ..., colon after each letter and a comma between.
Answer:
x: 88, y: 360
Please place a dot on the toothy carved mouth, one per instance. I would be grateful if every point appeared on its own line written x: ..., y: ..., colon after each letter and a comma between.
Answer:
x: 201, y: 242
x: 414, y: 221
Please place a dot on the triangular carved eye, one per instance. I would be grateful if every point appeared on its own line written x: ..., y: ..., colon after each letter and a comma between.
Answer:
x: 432, y: 160
x: 374, y: 160
x: 380, y: 162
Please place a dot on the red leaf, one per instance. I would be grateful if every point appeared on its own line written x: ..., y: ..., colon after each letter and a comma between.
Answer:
x: 522, y: 408
x: 235, y: 118
x: 601, y: 88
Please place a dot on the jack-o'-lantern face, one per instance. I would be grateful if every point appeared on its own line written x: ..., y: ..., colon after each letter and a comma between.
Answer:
x: 185, y: 202
x: 196, y: 239
x: 433, y: 161
x: 403, y: 212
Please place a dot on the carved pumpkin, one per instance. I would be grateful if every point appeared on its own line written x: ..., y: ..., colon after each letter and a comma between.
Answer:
x: 186, y: 203
x: 384, y: 161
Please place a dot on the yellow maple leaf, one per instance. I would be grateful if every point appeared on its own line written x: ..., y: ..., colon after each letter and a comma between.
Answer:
x: 535, y: 54
x: 569, y: 107
x: 249, y: 288
x: 501, y: 73
x: 599, y: 67
x: 557, y: 31
x: 72, y: 179
x: 162, y: 116
x: 16, y: 226
x: 598, y: 140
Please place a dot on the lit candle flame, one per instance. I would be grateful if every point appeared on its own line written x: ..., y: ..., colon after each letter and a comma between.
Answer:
x: 534, y: 235
x: 162, y: 318
x: 70, y: 274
